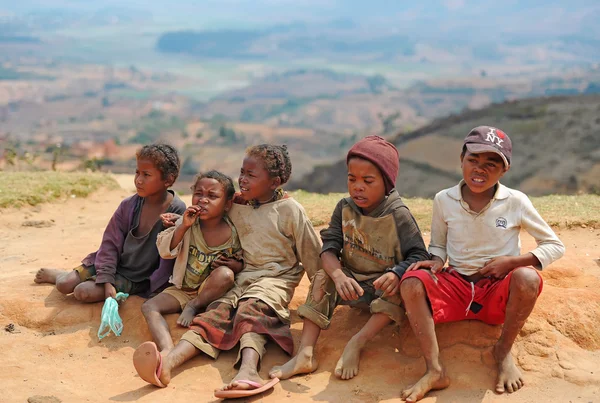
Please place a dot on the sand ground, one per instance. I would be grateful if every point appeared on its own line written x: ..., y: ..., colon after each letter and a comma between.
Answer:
x: 54, y: 350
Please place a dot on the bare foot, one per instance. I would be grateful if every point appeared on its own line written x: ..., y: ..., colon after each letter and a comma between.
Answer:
x: 509, y: 377
x: 47, y: 275
x: 186, y: 317
x: 165, y: 371
x: 347, y: 365
x: 432, y: 380
x: 247, y: 374
x: 303, y: 363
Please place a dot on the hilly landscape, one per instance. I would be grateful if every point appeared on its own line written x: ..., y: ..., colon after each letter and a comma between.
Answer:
x: 556, y: 149
x: 345, y: 103
x: 83, y: 85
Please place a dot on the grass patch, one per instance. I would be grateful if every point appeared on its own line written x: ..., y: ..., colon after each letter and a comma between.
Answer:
x: 19, y: 189
x: 568, y: 211
x: 320, y: 206
x: 559, y: 211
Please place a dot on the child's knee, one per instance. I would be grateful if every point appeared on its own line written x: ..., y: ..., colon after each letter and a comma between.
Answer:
x: 411, y: 289
x: 389, y: 306
x: 66, y: 284
x: 526, y: 281
x: 81, y: 293
x: 149, y: 307
x: 224, y: 275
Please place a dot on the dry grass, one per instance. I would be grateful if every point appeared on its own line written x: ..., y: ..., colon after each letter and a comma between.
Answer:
x: 18, y: 189
x: 320, y: 206
x: 31, y: 188
x: 569, y: 211
x: 558, y: 210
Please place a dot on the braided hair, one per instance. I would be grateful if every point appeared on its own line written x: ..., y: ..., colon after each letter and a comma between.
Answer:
x: 164, y: 157
x: 275, y: 158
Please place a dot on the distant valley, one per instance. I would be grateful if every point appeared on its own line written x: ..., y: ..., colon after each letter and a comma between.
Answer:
x: 82, y: 85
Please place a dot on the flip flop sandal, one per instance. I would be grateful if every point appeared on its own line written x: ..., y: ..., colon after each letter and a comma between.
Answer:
x: 258, y: 388
x: 148, y: 363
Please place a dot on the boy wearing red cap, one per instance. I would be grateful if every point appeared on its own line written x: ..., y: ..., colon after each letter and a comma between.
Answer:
x: 475, y: 227
x: 370, y: 242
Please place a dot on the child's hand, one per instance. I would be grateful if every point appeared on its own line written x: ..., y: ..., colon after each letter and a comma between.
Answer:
x: 435, y: 265
x: 235, y: 265
x: 348, y: 288
x: 169, y: 219
x: 389, y: 283
x: 109, y: 290
x: 189, y: 216
x: 498, y: 267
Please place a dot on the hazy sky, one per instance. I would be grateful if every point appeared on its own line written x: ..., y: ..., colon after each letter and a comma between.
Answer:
x: 549, y: 17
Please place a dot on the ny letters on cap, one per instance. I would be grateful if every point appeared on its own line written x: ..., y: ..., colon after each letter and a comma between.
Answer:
x: 489, y: 139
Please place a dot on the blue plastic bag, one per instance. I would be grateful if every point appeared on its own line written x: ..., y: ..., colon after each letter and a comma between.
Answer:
x: 110, y: 319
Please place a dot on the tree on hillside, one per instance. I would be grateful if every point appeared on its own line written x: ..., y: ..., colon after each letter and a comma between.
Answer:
x: 377, y: 83
x: 92, y: 164
x: 228, y: 136
x: 10, y: 155
x: 57, y: 152
x: 389, y: 121
x: 190, y: 166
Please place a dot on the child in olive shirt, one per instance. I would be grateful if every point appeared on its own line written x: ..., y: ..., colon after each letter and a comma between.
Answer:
x: 370, y: 242
x: 207, y: 253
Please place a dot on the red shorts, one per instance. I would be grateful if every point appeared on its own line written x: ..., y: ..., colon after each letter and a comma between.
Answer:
x: 453, y: 298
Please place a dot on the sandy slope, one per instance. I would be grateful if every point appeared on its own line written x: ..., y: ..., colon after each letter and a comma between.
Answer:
x: 55, y: 351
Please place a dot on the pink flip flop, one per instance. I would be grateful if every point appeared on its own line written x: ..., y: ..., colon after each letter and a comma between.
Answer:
x: 258, y: 388
x: 148, y: 363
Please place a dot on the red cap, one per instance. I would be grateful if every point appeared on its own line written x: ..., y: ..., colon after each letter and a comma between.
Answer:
x: 380, y: 152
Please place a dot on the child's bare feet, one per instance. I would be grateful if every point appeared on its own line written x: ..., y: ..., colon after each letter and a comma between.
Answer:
x: 303, y: 363
x: 347, y: 365
x: 167, y: 367
x: 47, y: 275
x: 165, y: 376
x: 432, y: 380
x: 186, y: 317
x: 246, y: 373
x: 509, y: 377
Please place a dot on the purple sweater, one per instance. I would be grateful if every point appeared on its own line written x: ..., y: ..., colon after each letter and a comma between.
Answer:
x: 106, y: 258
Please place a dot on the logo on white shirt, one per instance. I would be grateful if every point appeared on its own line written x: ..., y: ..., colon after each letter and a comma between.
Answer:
x: 501, y: 222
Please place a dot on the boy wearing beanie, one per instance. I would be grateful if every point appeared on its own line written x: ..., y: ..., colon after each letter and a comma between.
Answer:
x: 475, y: 227
x: 371, y: 240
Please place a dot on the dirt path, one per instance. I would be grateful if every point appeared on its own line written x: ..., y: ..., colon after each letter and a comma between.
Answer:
x: 54, y: 350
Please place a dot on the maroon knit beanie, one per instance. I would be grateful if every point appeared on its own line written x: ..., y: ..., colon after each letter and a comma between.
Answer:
x: 382, y: 154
